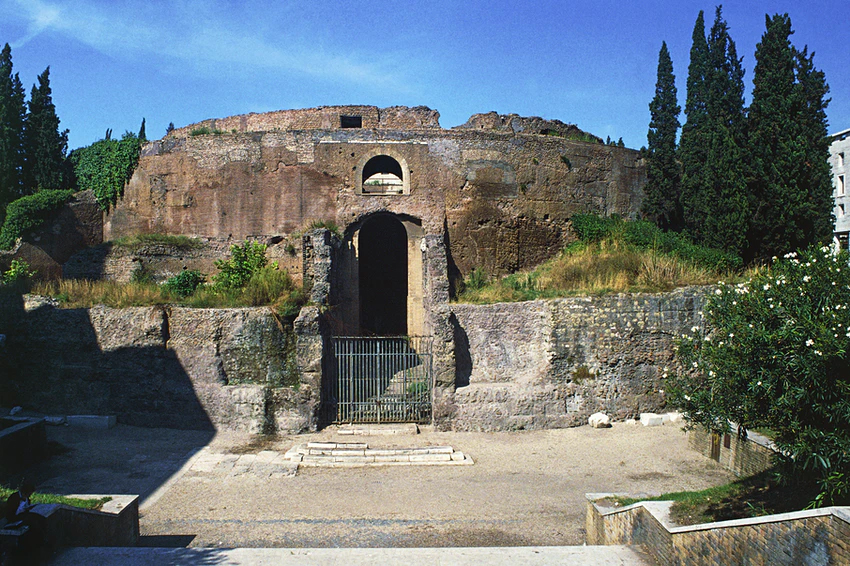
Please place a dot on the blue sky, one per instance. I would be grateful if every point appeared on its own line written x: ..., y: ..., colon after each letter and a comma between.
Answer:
x: 591, y: 63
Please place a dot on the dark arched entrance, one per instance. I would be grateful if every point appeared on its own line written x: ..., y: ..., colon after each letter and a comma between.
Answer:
x: 383, y: 276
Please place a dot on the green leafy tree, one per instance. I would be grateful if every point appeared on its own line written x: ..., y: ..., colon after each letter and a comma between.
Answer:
x: 790, y: 187
x: 45, y: 145
x: 774, y: 353
x: 662, y: 202
x: 712, y: 149
x: 12, y: 113
x: 105, y: 166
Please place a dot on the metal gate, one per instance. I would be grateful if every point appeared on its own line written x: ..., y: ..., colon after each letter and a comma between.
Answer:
x: 379, y: 380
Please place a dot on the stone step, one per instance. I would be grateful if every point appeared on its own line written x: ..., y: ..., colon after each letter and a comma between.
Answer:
x: 340, y: 454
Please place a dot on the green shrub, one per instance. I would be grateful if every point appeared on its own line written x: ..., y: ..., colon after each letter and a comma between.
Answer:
x: 185, y: 283
x: 28, y: 213
x: 244, y: 261
x: 591, y: 227
x: 18, y: 273
x: 774, y: 354
x: 105, y: 166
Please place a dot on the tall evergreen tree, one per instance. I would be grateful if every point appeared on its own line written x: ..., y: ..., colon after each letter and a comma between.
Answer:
x: 12, y: 113
x: 713, y: 152
x: 142, y: 134
x: 693, y: 147
x: 790, y: 186
x: 46, y: 146
x: 815, y: 176
x: 662, y: 202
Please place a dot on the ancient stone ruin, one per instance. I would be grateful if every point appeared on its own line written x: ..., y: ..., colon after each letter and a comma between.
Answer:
x: 380, y: 212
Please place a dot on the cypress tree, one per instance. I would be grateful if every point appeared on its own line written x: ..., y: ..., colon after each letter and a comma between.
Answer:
x: 712, y: 148
x: 693, y: 147
x: 662, y: 202
x: 790, y: 186
x: 142, y: 135
x: 46, y: 146
x: 771, y: 141
x: 724, y: 182
x: 12, y: 113
x: 815, y: 217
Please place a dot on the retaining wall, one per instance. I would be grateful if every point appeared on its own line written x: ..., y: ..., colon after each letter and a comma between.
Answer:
x: 743, y: 457
x: 162, y: 366
x: 818, y: 536
x: 553, y: 363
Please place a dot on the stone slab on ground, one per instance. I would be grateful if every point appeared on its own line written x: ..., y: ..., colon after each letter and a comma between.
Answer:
x: 513, y: 556
x: 378, y: 429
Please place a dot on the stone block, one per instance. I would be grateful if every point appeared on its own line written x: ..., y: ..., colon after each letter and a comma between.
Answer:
x: 651, y: 419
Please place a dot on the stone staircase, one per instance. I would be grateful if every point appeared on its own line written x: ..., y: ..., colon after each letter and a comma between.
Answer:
x: 350, y: 454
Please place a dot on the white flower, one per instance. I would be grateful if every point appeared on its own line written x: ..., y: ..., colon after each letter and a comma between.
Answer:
x: 810, y: 342
x: 718, y: 292
x: 695, y: 364
x: 766, y: 286
x: 759, y: 383
x: 694, y: 328
x: 818, y: 352
x: 731, y: 335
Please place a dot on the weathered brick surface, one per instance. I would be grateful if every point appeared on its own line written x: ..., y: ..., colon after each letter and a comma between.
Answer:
x: 501, y: 189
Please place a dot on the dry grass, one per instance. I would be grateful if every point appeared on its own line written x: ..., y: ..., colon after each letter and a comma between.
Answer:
x: 269, y: 287
x: 596, y: 269
x: 82, y: 293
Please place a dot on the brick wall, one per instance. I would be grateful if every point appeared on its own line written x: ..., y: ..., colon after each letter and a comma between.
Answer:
x: 742, y: 457
x: 818, y: 536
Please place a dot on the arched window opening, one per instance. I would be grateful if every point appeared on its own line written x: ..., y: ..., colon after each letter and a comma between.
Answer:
x: 382, y: 175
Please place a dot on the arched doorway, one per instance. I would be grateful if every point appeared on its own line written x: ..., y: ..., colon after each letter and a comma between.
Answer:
x: 383, y: 276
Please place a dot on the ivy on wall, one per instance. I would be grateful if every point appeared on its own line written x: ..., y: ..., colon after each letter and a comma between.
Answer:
x: 28, y: 213
x: 105, y: 166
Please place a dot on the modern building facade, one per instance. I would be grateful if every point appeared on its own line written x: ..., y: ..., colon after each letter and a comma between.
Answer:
x: 839, y: 151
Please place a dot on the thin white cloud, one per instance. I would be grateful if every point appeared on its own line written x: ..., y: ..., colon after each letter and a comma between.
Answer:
x: 199, y: 39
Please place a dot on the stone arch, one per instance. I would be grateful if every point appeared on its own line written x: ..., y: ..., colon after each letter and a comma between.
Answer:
x: 373, y: 284
x: 382, y: 172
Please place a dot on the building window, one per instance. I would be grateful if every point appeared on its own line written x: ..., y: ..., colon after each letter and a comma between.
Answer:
x: 350, y: 121
x: 382, y: 175
x: 840, y: 188
x: 841, y: 159
x: 840, y: 210
x: 842, y: 240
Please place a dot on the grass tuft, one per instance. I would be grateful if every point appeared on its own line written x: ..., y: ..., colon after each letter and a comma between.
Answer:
x: 36, y: 498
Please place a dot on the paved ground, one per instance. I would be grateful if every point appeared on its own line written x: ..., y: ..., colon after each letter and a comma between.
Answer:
x: 491, y: 556
x: 525, y: 489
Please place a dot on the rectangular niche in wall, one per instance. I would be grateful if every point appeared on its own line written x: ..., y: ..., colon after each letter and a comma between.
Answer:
x: 350, y: 121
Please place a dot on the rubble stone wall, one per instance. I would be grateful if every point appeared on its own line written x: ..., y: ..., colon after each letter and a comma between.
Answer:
x: 159, y: 366
x: 553, y: 363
